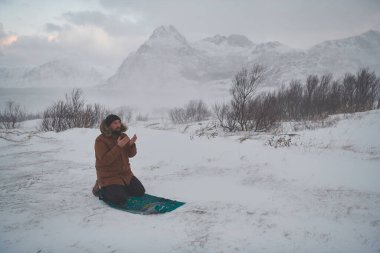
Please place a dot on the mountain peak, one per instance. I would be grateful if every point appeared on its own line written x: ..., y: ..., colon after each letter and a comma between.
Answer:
x: 371, y: 34
x: 235, y: 40
x: 167, y: 33
x: 367, y: 40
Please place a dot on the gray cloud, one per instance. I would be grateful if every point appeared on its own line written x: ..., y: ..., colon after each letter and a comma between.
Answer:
x: 73, y: 43
x: 115, y: 25
x: 4, y: 34
x: 50, y: 27
x: 108, y: 31
x: 29, y: 50
x: 298, y: 23
x: 2, y: 31
x: 86, y: 17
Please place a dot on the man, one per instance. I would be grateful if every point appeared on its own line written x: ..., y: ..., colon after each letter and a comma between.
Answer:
x: 113, y: 148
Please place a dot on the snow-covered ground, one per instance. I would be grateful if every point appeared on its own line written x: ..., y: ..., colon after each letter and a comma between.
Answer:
x: 319, y: 194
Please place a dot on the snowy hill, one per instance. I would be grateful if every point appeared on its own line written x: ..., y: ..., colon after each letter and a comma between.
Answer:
x: 58, y: 73
x: 347, y: 54
x: 320, y: 193
x: 168, y: 58
x: 234, y: 40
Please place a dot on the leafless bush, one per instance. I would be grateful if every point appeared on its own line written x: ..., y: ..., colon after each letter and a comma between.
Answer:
x: 367, y: 86
x: 323, y: 96
x: 12, y: 114
x: 237, y: 115
x: 194, y: 110
x: 315, y: 100
x: 265, y: 111
x: 226, y: 117
x: 177, y: 115
x: 283, y: 140
x: 244, y: 86
x: 348, y: 92
x: 100, y: 112
x: 210, y: 131
x: 125, y: 113
x: 72, y: 112
x: 290, y: 100
x: 141, y: 117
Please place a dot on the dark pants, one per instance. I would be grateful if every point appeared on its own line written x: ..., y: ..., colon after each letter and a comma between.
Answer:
x: 118, y: 194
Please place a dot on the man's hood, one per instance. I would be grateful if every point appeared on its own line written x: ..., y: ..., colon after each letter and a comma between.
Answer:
x: 105, y: 130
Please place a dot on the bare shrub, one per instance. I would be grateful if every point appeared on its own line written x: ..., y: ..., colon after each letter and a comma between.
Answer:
x: 366, y: 87
x: 227, y: 119
x: 72, y: 112
x: 276, y: 141
x: 194, y: 110
x: 237, y: 114
x: 348, y: 92
x: 292, y: 100
x: 12, y: 114
x: 265, y: 111
x: 125, y: 113
x: 141, y: 117
x: 244, y: 86
x: 177, y: 115
x: 313, y: 100
x: 210, y: 131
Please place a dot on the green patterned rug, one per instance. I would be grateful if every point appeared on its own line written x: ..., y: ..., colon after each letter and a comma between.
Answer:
x: 147, y: 204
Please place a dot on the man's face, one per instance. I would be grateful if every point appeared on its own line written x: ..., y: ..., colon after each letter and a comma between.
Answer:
x: 115, y: 125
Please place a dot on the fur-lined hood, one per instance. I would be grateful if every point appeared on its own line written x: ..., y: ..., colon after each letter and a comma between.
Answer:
x: 106, y: 131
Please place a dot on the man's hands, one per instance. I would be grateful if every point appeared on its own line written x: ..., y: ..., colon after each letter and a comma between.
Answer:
x: 121, y: 142
x: 133, y: 140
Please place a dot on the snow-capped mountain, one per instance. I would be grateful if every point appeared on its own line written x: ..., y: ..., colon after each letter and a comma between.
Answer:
x: 168, y: 57
x: 338, y: 55
x: 57, y: 73
x: 234, y: 40
x: 165, y: 57
x: 335, y: 56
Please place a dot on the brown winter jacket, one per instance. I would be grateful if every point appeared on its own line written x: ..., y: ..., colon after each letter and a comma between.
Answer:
x: 112, y: 162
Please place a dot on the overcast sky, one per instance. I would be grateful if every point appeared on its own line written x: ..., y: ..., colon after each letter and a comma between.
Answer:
x: 105, y: 31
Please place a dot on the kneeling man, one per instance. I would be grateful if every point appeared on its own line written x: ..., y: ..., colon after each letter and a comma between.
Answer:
x: 113, y: 148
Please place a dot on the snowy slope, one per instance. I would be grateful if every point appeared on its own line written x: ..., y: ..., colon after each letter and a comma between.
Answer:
x: 168, y: 58
x: 320, y: 194
x: 56, y: 73
x: 164, y: 58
